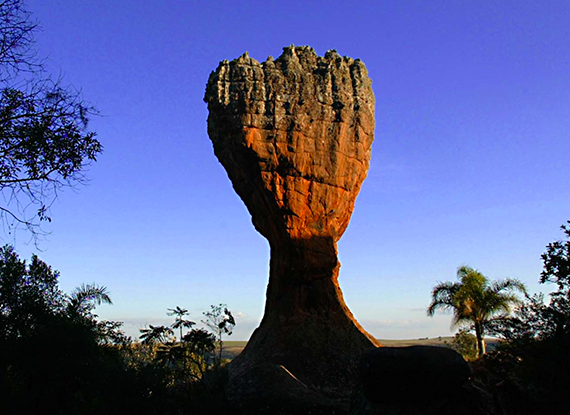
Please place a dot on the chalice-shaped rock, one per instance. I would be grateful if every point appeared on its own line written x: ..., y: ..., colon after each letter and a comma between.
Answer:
x: 294, y: 135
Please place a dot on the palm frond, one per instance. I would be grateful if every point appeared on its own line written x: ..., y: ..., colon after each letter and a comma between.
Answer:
x: 443, y: 296
x: 182, y: 323
x: 155, y: 334
x: 177, y: 311
x: 508, y: 284
x: 85, y: 297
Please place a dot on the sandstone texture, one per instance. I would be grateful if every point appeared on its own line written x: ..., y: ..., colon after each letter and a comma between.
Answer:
x: 294, y: 135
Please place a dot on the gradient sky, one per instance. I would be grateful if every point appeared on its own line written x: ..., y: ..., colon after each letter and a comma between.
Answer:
x: 469, y: 166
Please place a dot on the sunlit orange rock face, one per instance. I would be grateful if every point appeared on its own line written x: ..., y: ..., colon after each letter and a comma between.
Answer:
x: 294, y: 135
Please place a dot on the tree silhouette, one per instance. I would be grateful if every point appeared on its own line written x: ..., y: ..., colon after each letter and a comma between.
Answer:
x: 474, y: 300
x: 180, y: 322
x: 44, y: 141
x: 185, y: 361
x: 155, y: 334
x: 56, y: 356
x: 199, y: 344
x: 534, y: 320
x: 221, y: 321
x: 533, y: 353
x: 29, y: 295
x: 85, y: 297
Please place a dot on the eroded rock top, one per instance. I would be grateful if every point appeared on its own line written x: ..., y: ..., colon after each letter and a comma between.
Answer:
x: 294, y: 135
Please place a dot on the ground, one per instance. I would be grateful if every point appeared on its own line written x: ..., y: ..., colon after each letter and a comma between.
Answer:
x: 233, y: 348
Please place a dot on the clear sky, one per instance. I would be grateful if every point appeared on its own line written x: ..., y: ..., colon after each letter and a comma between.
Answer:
x: 469, y: 166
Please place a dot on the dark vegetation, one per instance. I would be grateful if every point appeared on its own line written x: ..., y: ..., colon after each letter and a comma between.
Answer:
x: 531, y: 366
x: 527, y: 372
x: 58, y: 358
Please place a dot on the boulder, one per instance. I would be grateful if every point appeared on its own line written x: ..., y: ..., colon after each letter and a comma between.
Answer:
x: 420, y: 373
x: 417, y: 380
x: 272, y: 389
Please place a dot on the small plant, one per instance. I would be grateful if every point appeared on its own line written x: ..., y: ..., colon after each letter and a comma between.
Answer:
x: 180, y: 321
x: 465, y: 343
x: 221, y: 321
x: 155, y: 334
x: 188, y: 359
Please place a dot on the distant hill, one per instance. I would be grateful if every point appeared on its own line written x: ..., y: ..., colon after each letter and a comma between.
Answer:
x: 233, y: 348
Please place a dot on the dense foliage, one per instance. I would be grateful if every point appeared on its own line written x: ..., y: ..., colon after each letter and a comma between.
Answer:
x: 58, y: 358
x: 465, y: 343
x: 534, y: 354
x: 53, y: 358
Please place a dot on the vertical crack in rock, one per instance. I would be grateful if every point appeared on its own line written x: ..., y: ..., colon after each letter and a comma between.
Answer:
x: 294, y: 135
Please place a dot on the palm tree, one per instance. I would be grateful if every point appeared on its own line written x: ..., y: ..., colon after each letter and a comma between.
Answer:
x: 180, y: 323
x: 475, y: 300
x: 85, y: 297
x: 155, y: 334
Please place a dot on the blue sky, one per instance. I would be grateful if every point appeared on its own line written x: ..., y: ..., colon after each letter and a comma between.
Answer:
x: 469, y: 166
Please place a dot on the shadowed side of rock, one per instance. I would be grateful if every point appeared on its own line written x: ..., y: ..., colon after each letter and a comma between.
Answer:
x: 418, y: 380
x: 294, y: 135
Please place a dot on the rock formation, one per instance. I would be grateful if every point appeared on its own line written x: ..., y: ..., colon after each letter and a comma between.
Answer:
x: 418, y: 380
x: 294, y: 135
x: 412, y: 375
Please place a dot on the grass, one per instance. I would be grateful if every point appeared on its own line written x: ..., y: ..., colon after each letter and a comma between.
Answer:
x: 233, y: 348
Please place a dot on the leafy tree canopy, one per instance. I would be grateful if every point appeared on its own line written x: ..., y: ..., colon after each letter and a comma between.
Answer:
x: 534, y: 320
x: 533, y: 355
x: 57, y: 357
